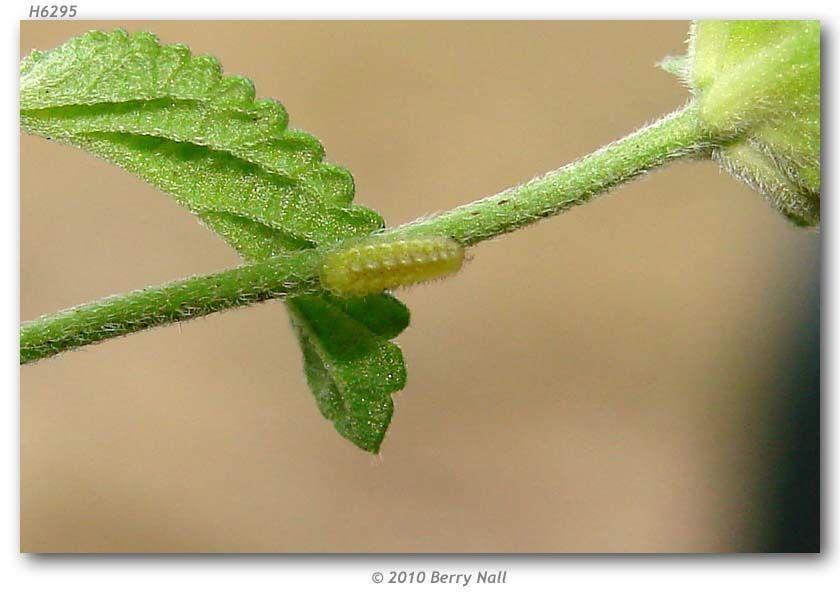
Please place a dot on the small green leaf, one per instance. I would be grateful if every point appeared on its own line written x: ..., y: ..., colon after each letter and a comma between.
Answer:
x: 350, y: 366
x: 757, y: 86
x: 175, y: 121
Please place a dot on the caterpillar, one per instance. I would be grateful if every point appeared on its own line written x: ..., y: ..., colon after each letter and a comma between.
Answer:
x: 372, y: 267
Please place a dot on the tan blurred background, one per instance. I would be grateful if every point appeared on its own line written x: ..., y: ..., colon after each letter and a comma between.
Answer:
x: 596, y: 383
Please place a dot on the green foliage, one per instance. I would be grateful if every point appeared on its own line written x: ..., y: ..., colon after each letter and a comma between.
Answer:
x: 175, y: 121
x: 757, y: 86
x: 351, y: 367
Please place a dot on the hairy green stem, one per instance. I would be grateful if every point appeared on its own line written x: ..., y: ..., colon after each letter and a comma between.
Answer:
x: 678, y: 134
x: 675, y: 135
x: 169, y: 303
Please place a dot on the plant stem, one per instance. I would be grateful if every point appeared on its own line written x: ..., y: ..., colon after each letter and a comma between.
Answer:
x: 169, y: 303
x: 676, y: 135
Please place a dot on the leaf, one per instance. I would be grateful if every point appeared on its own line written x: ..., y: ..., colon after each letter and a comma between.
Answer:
x: 175, y: 121
x: 757, y: 83
x: 345, y: 351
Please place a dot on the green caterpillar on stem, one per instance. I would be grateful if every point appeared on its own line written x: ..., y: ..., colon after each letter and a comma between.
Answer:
x: 371, y: 267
